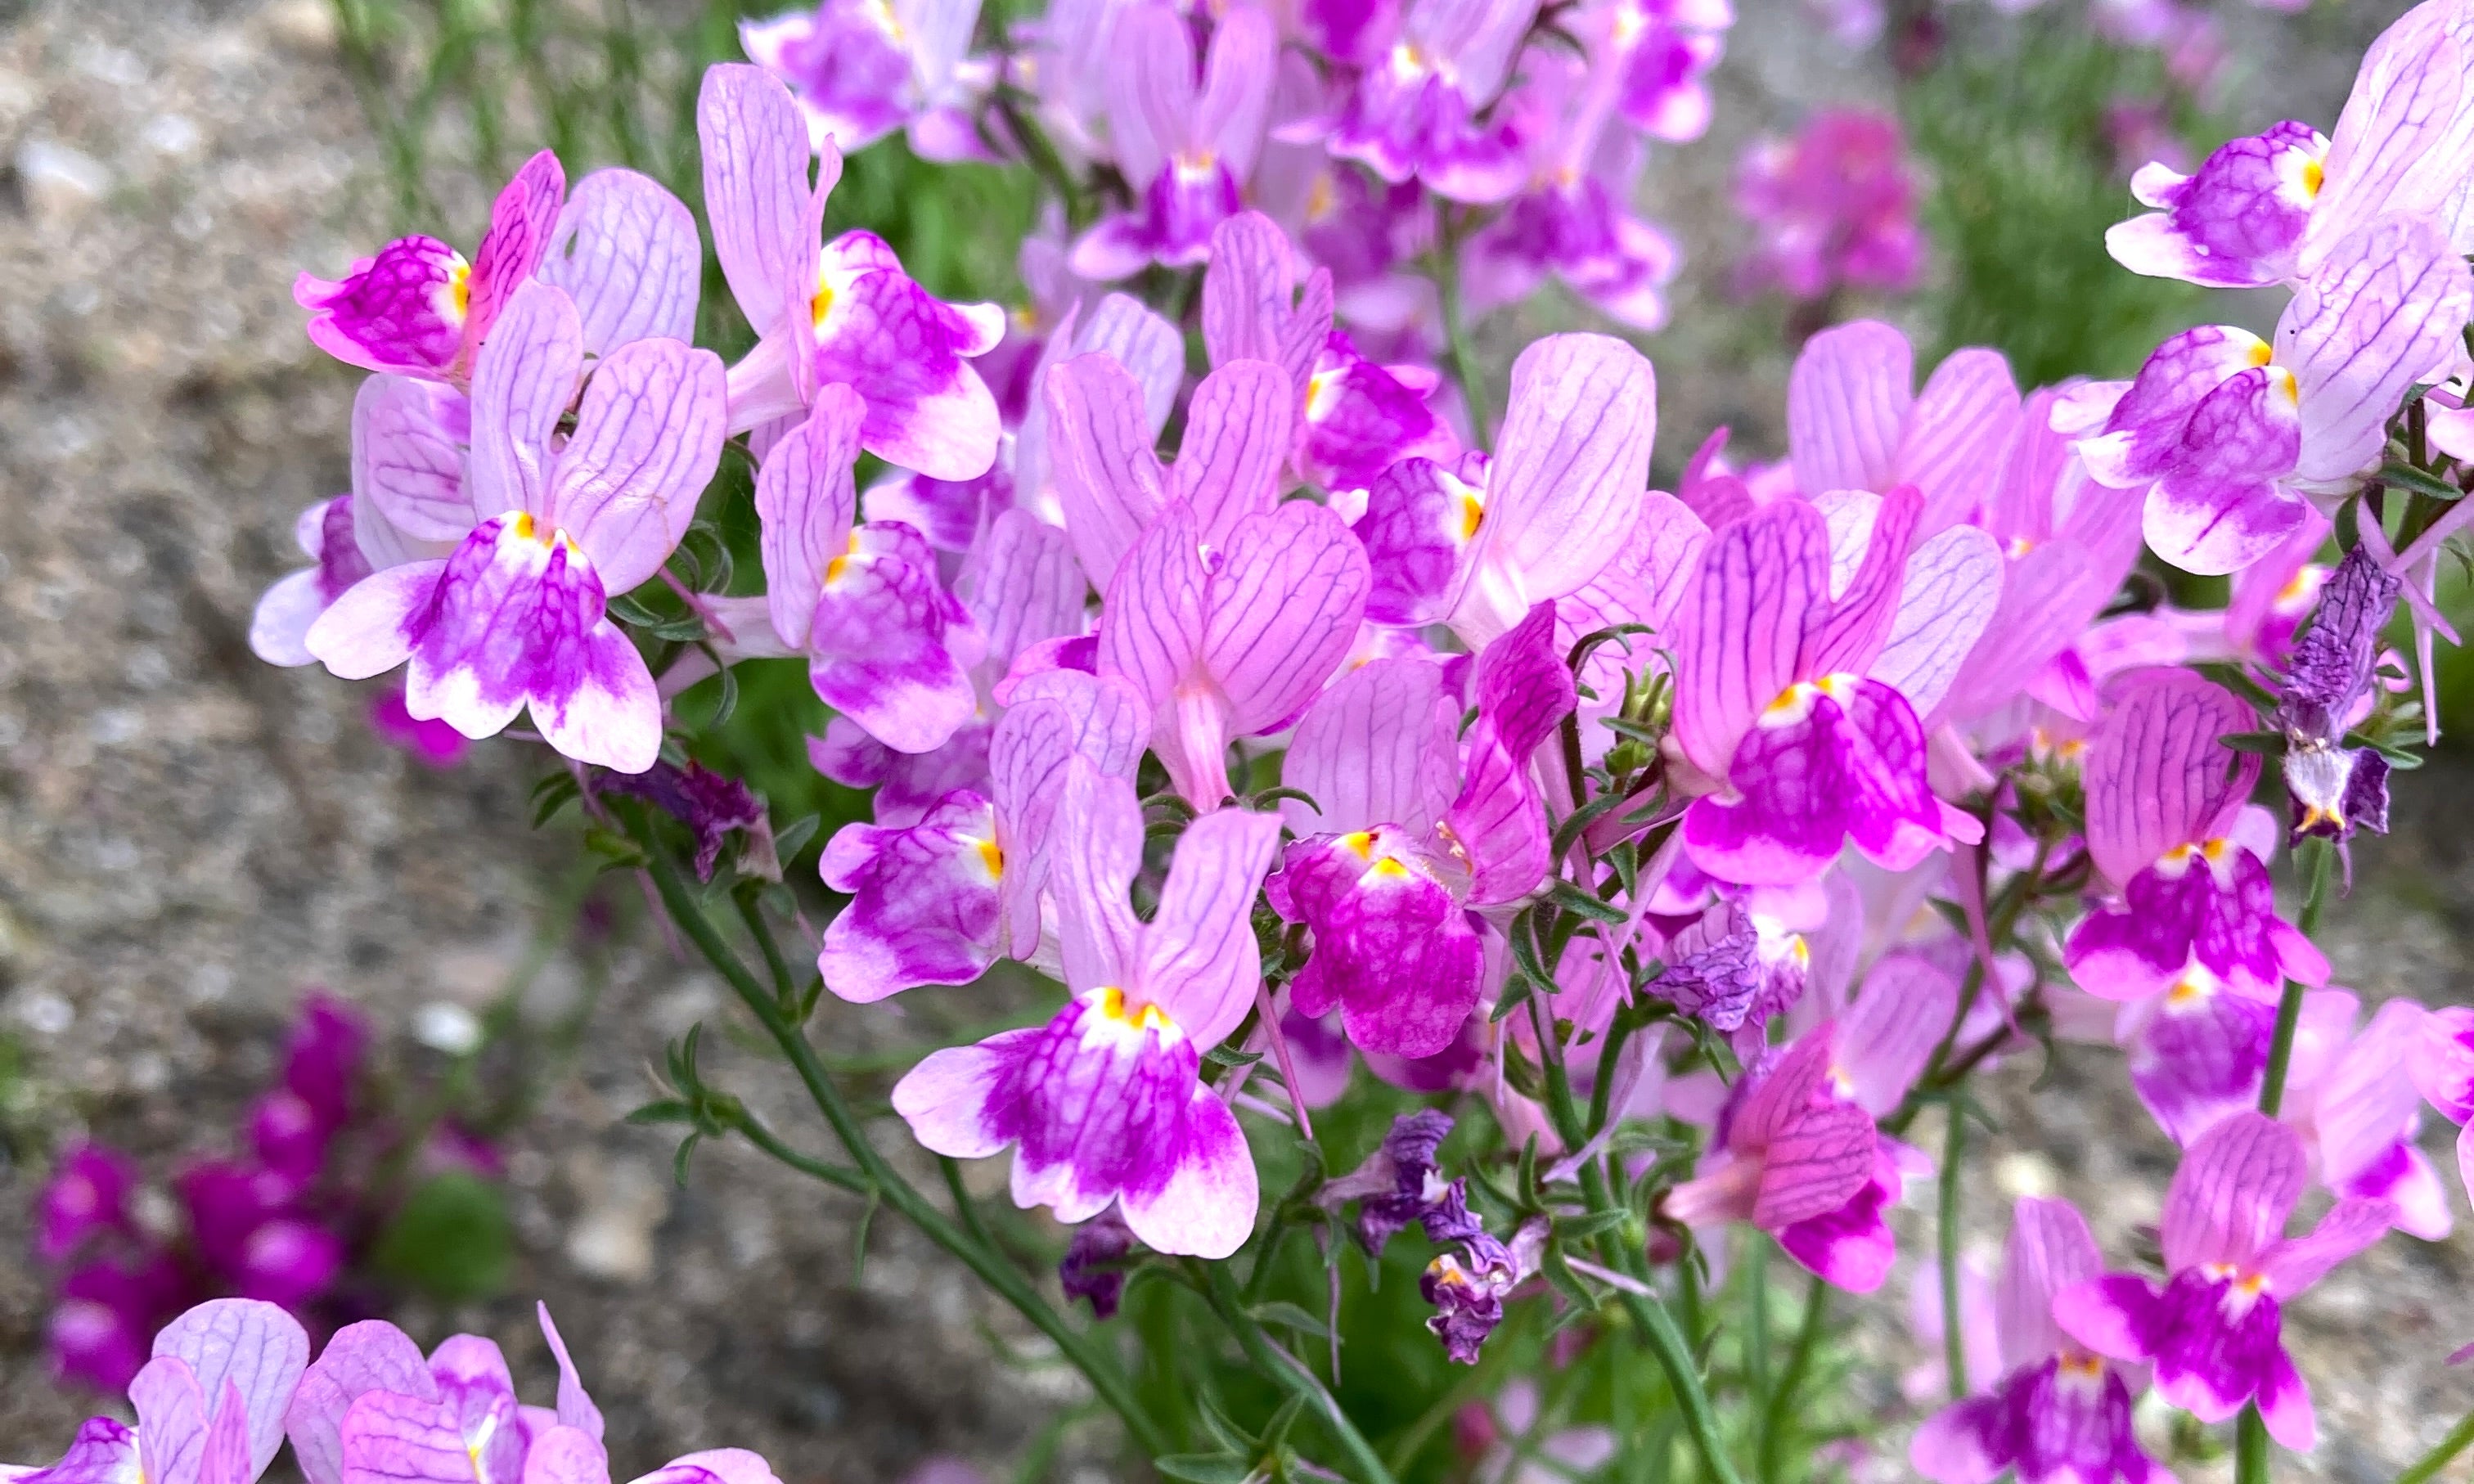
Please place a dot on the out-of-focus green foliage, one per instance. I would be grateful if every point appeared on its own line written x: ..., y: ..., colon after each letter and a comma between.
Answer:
x: 2011, y: 122
x: 451, y: 1239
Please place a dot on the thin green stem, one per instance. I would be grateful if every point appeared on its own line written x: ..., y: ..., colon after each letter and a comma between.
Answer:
x: 2429, y: 1465
x: 991, y: 1267
x: 1953, y: 1333
x: 1756, y: 1316
x: 840, y: 1176
x: 2251, y: 1434
x: 1463, y: 354
x: 1220, y: 1290
x: 1799, y: 1362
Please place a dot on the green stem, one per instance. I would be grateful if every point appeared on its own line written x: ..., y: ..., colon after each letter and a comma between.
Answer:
x: 2250, y: 1447
x: 1798, y: 1361
x: 991, y: 1268
x: 1756, y: 1316
x: 841, y: 1177
x: 1953, y: 1333
x: 1463, y: 354
x: 2430, y: 1464
x: 1271, y: 1361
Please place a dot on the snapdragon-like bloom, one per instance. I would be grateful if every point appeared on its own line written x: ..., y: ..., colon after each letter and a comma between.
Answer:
x: 1104, y: 1103
x: 841, y: 313
x: 1418, y: 829
x: 1185, y: 144
x: 1476, y: 544
x: 2232, y: 436
x: 2350, y: 1096
x: 418, y: 308
x: 515, y: 617
x: 1416, y: 110
x: 1361, y: 417
x: 2198, y: 912
x: 1233, y: 637
x: 1810, y: 646
x: 1665, y: 50
x: 2267, y: 207
x: 2215, y: 1331
x: 2336, y: 789
x: 2059, y: 1410
x: 1834, y: 206
x: 859, y: 69
x: 1797, y: 1152
x: 209, y: 1404
x: 1856, y: 422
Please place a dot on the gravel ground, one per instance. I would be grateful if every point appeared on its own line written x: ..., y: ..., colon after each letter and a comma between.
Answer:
x: 187, y: 837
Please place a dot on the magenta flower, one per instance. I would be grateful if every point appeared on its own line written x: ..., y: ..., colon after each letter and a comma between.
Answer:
x: 1105, y: 1102
x: 859, y: 69
x: 1254, y: 305
x: 1417, y: 111
x: 1666, y: 48
x: 1185, y: 138
x: 418, y: 308
x: 209, y: 1404
x: 1362, y: 418
x: 2198, y: 912
x: 2059, y: 1411
x: 1796, y: 1152
x: 2215, y: 1331
x: 1833, y: 208
x: 2270, y: 207
x: 1855, y: 421
x: 86, y: 1196
x: 433, y: 742
x: 515, y: 618
x: 1416, y: 831
x: 1477, y: 544
x: 2350, y: 1096
x: 2231, y: 437
x: 841, y: 313
x: 1798, y: 696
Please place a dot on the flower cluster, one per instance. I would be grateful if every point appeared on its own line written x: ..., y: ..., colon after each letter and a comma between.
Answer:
x: 225, y: 1383
x: 290, y: 1220
x: 1761, y: 811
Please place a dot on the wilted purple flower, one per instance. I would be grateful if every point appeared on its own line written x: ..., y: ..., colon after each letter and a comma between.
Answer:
x: 841, y: 313
x: 2231, y: 436
x: 1415, y: 112
x: 2058, y: 1411
x: 1185, y: 138
x: 710, y: 804
x: 1399, y: 1183
x: 1833, y: 208
x: 1467, y: 1288
x: 1417, y: 828
x: 2198, y: 914
x: 1477, y: 544
x: 862, y: 68
x: 1105, y: 1102
x: 2335, y: 790
x: 515, y: 616
x: 1091, y: 1269
x: 210, y: 1404
x: 2215, y: 1332
x: 1801, y: 695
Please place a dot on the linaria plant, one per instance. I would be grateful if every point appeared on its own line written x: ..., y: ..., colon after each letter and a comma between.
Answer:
x: 1462, y: 863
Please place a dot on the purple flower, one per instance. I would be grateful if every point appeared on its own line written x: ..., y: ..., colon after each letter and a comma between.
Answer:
x: 1833, y: 208
x: 1476, y: 544
x: 2058, y: 1411
x: 2230, y: 437
x: 88, y: 1195
x: 1418, y: 829
x: 1415, y: 112
x: 710, y: 804
x: 210, y: 1404
x: 861, y: 69
x: 1360, y: 418
x: 434, y: 743
x: 2215, y: 1331
x: 1185, y: 138
x: 1399, y: 1183
x: 418, y: 308
x: 2335, y: 790
x: 2238, y: 222
x: 515, y: 616
x: 923, y: 905
x: 1252, y: 308
x: 1797, y: 1152
x: 844, y: 313
x: 2198, y: 911
x: 1105, y: 1102
x: 2352, y: 1098
x: 1855, y: 421
x: 1233, y: 639
x: 1092, y: 1269
x: 106, y: 1314
x: 1800, y: 692
x: 1666, y: 48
